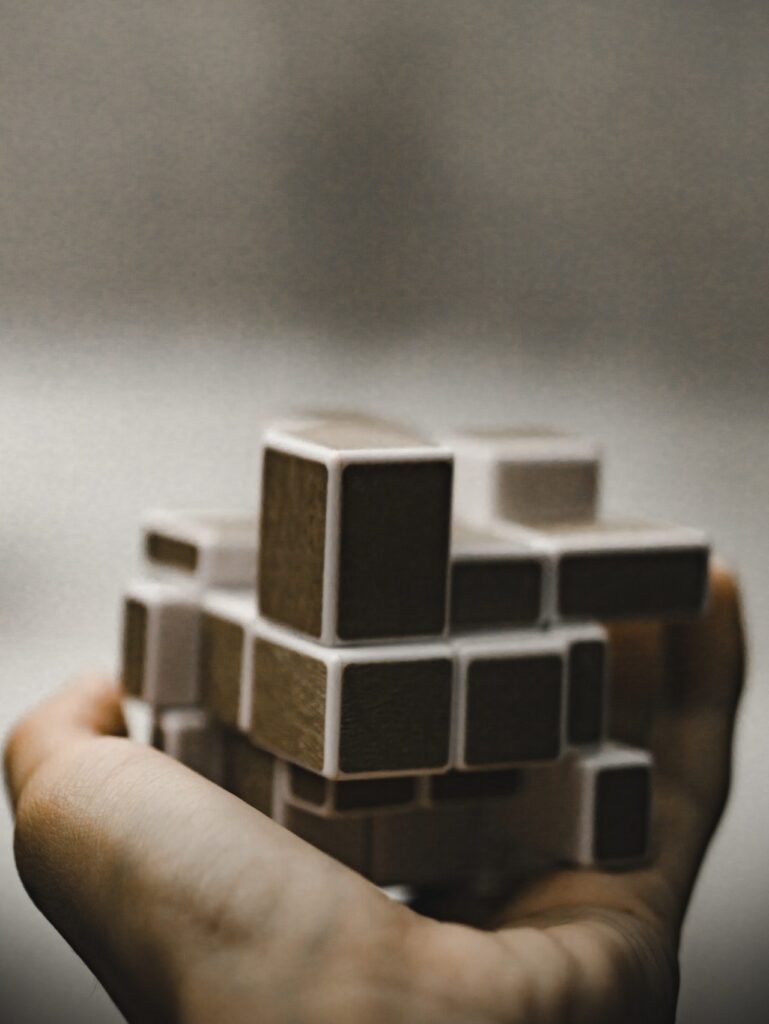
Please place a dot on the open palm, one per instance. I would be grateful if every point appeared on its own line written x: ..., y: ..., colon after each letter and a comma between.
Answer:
x: 190, y: 906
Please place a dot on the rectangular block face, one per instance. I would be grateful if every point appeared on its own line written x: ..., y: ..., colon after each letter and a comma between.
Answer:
x: 622, y: 812
x: 170, y: 551
x: 293, y: 539
x: 192, y: 738
x: 463, y: 786
x: 632, y: 584
x: 350, y: 794
x: 548, y: 492
x: 394, y: 549
x: 587, y: 681
x: 489, y: 594
x: 134, y: 647
x: 221, y: 667
x: 514, y: 709
x: 288, y: 713
x: 249, y: 773
x: 395, y: 716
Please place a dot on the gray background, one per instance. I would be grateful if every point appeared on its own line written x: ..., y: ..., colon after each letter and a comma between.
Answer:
x: 548, y: 211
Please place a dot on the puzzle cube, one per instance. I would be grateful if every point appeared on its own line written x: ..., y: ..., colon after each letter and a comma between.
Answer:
x: 161, y: 644
x: 497, y: 582
x: 591, y: 809
x: 355, y: 531
x: 190, y: 736
x: 227, y: 624
x: 351, y: 711
x: 525, y: 475
x: 510, y: 699
x: 209, y: 548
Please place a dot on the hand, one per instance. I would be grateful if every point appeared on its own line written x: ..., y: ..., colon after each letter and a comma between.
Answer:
x: 190, y: 906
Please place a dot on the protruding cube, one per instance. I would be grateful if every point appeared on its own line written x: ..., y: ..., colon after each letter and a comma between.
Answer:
x: 349, y: 797
x: 510, y: 699
x: 626, y: 569
x: 353, y: 711
x: 525, y: 475
x: 592, y: 808
x: 228, y: 622
x: 497, y: 582
x: 208, y: 548
x: 190, y: 736
x: 587, y: 686
x: 251, y: 774
x: 161, y: 644
x: 355, y: 531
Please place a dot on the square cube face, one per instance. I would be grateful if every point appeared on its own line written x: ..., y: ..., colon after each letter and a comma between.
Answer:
x: 493, y: 594
x: 293, y: 540
x: 394, y: 549
x: 134, y: 647
x: 632, y: 583
x: 221, y: 667
x: 587, y: 675
x: 395, y: 716
x: 514, y: 709
x: 622, y: 814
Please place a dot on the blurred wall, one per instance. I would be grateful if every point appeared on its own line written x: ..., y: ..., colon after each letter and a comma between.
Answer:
x: 535, y: 211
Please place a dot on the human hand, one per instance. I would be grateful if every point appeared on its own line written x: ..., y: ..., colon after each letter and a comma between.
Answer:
x: 190, y: 906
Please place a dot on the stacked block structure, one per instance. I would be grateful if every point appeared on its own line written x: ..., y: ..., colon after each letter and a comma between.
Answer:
x: 403, y: 657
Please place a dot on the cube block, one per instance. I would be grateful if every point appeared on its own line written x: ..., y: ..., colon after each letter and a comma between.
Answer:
x: 355, y: 531
x: 352, y: 712
x: 497, y: 582
x: 510, y: 699
x: 322, y: 796
x: 192, y: 737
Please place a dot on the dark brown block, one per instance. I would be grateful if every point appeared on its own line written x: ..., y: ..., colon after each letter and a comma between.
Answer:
x: 225, y: 659
x: 511, y: 700
x: 470, y: 786
x: 352, y: 712
x: 355, y: 531
x: 169, y: 551
x: 348, y: 796
x: 622, y: 810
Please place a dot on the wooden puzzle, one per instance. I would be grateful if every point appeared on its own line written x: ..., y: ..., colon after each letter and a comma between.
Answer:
x: 401, y: 657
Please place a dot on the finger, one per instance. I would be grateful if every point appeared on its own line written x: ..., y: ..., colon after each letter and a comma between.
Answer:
x: 84, y: 709
x: 154, y: 875
x: 636, y: 666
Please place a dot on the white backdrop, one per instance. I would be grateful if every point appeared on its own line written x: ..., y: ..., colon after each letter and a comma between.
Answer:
x: 454, y: 211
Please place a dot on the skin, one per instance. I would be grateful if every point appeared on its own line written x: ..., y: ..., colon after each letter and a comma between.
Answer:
x: 190, y: 906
